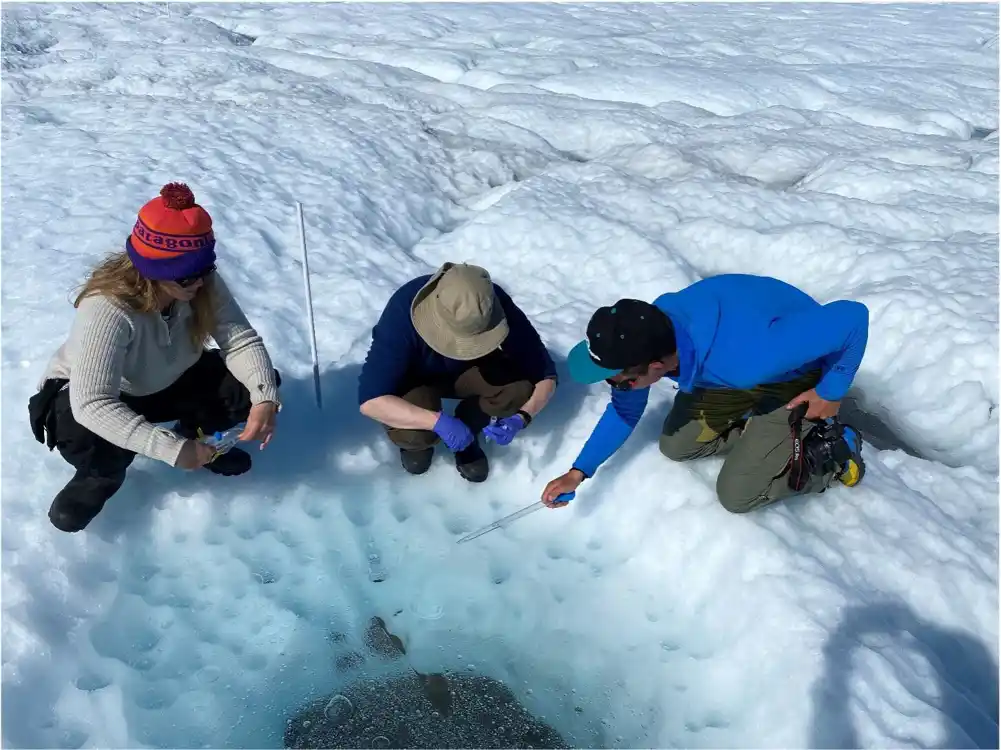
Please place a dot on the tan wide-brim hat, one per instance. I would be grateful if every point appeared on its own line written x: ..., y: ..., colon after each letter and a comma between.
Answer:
x: 458, y: 314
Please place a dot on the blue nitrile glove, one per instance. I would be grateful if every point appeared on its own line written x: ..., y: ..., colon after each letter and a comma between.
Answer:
x: 453, y: 431
x: 503, y: 431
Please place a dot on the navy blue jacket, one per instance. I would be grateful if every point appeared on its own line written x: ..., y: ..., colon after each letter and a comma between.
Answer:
x: 739, y: 331
x: 399, y: 359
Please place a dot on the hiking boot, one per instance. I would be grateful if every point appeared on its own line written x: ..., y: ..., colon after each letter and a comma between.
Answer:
x: 472, y: 464
x: 231, y: 463
x: 82, y: 499
x: 416, y: 462
x: 853, y: 468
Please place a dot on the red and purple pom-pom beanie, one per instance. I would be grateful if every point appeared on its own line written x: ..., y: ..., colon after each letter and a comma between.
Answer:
x: 172, y: 237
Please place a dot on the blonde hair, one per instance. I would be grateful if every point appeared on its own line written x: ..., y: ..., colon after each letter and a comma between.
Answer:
x: 116, y: 278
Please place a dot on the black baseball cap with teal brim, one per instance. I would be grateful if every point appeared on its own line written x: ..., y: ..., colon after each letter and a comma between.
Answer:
x: 629, y: 333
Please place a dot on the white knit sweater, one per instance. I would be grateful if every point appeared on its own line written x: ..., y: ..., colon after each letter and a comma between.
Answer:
x: 111, y: 350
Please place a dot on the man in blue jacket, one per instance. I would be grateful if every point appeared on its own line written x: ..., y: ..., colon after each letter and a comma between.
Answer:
x: 750, y: 354
x: 454, y: 334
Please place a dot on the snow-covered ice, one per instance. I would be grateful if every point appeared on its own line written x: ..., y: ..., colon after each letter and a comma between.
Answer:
x: 581, y: 154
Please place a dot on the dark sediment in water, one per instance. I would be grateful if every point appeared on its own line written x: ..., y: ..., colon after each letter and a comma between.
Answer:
x: 396, y: 712
x: 414, y: 710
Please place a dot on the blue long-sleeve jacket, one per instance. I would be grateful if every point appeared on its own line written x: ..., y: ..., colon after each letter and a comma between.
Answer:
x: 739, y: 331
x: 399, y: 359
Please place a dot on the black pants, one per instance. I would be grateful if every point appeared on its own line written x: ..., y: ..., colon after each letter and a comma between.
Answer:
x: 206, y: 396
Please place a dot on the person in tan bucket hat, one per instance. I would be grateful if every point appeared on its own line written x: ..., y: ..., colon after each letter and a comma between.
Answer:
x: 454, y: 334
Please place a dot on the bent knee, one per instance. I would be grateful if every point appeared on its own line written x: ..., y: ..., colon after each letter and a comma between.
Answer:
x: 735, y: 496
x: 508, y: 399
x: 735, y: 505
x: 519, y: 392
x: 676, y: 449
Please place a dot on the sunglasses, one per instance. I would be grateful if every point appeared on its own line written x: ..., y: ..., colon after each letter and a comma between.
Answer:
x: 186, y: 281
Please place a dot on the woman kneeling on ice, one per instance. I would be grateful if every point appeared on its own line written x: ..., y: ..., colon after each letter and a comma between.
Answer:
x: 136, y: 356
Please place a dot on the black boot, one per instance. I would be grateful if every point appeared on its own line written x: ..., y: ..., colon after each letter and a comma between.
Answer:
x: 417, y: 462
x: 82, y: 499
x: 472, y: 464
x: 231, y: 463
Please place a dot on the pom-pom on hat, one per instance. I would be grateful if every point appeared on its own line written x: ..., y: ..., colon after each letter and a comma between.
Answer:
x: 172, y: 238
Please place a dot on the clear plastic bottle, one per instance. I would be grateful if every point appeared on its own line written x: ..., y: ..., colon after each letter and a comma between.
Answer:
x: 223, y: 441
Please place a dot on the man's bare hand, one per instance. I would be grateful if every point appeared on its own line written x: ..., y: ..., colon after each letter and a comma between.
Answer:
x: 817, y: 408
x: 563, y: 485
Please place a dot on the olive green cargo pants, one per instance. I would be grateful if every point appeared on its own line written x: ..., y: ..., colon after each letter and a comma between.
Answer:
x: 714, y: 422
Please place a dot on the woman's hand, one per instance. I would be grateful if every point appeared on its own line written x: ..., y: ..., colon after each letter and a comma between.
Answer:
x: 194, y: 455
x: 261, y: 423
